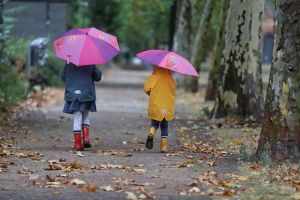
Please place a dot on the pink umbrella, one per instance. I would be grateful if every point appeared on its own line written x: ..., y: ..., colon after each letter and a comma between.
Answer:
x: 168, y: 60
x: 86, y: 46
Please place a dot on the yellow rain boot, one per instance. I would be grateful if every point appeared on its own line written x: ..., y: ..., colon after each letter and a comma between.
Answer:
x: 164, y: 145
x: 149, y: 142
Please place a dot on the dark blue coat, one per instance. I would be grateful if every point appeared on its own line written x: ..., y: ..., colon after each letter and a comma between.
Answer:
x: 79, y: 82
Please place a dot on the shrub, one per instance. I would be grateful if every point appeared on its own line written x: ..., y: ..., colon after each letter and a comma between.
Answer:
x: 12, y: 87
x: 17, y: 50
x: 52, y: 70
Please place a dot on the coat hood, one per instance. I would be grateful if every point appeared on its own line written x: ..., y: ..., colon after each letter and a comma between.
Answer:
x: 160, y: 70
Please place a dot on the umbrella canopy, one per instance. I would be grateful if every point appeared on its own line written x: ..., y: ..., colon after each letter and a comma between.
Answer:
x: 86, y: 46
x: 168, y: 60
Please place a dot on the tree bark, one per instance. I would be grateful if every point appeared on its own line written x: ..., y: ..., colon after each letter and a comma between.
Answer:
x: 214, y: 74
x: 191, y: 84
x: 181, y: 41
x: 281, y: 123
x: 240, y: 90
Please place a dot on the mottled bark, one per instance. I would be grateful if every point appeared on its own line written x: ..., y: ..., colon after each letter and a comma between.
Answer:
x: 240, y: 90
x: 181, y: 31
x: 214, y: 74
x: 191, y: 84
x: 281, y: 123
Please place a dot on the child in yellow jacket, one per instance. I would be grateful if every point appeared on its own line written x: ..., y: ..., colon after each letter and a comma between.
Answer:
x: 160, y: 87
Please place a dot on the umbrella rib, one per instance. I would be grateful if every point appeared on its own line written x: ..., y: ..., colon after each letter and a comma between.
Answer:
x: 79, y: 57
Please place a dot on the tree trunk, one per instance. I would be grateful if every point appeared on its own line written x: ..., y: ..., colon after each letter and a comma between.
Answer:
x: 240, y: 90
x: 191, y: 84
x: 214, y: 74
x: 1, y: 31
x: 281, y: 123
x: 182, y: 30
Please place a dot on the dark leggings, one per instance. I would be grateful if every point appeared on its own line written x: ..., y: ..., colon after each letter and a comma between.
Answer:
x: 163, y: 126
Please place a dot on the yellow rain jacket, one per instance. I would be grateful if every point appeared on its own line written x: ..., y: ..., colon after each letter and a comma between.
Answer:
x: 161, y: 87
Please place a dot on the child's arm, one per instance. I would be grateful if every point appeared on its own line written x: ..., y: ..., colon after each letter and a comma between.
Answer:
x: 97, y: 74
x: 147, y: 86
x: 63, y: 74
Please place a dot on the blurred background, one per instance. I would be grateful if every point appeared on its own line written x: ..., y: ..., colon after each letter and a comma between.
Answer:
x: 28, y: 28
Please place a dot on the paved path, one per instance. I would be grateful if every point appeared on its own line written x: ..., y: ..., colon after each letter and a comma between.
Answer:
x: 120, y: 124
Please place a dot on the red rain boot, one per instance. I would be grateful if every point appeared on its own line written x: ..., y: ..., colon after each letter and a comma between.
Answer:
x: 86, y: 139
x: 77, y: 143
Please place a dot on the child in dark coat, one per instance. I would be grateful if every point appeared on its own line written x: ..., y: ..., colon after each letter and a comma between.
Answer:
x: 80, y: 97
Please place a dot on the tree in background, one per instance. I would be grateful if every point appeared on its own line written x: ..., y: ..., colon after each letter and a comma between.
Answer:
x: 144, y: 24
x: 240, y: 90
x: 198, y: 45
x: 1, y: 31
x: 214, y: 74
x: 79, y: 14
x: 104, y: 14
x: 280, y: 135
x: 180, y: 30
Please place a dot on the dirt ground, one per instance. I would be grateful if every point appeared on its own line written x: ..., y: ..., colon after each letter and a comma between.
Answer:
x: 206, y: 160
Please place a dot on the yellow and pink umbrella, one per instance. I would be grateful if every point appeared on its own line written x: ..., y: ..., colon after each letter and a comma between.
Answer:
x: 169, y: 60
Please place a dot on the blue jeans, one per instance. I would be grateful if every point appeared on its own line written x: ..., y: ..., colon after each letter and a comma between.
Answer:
x: 163, y: 126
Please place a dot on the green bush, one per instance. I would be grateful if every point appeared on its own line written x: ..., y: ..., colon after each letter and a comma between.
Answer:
x: 17, y: 51
x: 12, y: 87
x: 52, y: 70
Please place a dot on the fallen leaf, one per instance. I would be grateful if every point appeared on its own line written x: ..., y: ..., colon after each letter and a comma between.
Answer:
x: 193, y: 183
x: 226, y: 183
x: 182, y: 193
x: 89, y: 188
x: 55, y: 167
x: 228, y: 192
x: 208, y: 161
x: 238, y: 177
x: 77, y: 182
x: 295, y: 195
x: 53, y: 161
x: 110, y: 166
x: 53, y: 183
x: 131, y: 196
x: 142, y: 196
x: 140, y: 170
x: 106, y: 188
x: 33, y: 177
x: 24, y: 170
x: 5, y: 153
x: 118, y: 153
x: 78, y: 153
x: 255, y: 166
x: 50, y: 178
x: 73, y: 166
x: 194, y: 190
x: 186, y: 163
x: 147, y: 195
